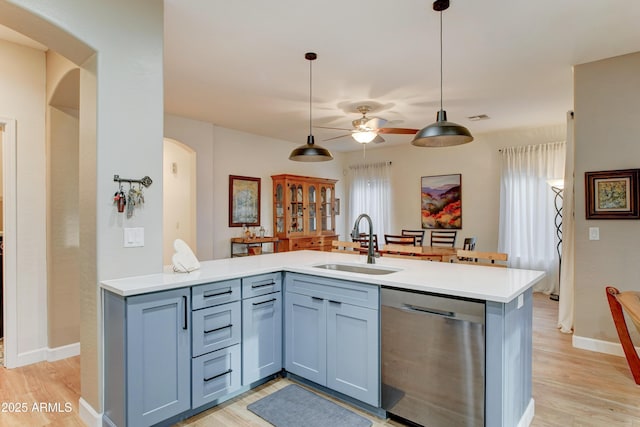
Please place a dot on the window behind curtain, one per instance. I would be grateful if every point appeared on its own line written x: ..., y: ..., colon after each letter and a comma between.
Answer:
x: 527, y: 211
x: 370, y: 193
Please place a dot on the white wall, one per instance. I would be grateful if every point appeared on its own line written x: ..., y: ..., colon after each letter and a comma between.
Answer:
x: 222, y: 152
x: 479, y: 164
x: 607, y: 135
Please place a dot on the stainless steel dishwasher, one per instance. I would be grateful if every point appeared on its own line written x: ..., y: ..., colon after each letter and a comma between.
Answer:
x: 433, y: 358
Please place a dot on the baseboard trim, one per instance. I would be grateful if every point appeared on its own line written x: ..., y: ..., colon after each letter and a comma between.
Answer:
x: 64, y: 352
x: 87, y: 414
x: 46, y: 354
x: 527, y: 417
x: 599, y: 346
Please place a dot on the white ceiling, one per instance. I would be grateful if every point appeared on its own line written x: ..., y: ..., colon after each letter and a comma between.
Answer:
x: 241, y: 65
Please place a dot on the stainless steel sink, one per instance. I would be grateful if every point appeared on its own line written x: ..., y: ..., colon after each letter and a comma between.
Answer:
x: 353, y: 268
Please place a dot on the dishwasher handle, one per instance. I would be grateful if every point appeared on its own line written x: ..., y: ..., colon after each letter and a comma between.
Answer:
x: 428, y: 310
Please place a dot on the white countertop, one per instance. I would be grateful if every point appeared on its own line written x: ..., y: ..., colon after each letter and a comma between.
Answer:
x: 485, y: 283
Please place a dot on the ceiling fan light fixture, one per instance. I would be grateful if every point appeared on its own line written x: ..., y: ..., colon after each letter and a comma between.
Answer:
x: 364, y: 137
x: 442, y: 133
x: 310, y: 152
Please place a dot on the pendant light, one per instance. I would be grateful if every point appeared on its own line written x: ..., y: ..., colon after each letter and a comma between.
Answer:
x: 310, y: 152
x: 442, y: 133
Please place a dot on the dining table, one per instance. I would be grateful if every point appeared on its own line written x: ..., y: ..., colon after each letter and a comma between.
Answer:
x: 432, y: 253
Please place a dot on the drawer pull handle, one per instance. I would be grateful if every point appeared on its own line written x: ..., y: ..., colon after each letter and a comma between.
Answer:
x: 218, y: 376
x: 317, y: 299
x: 264, y: 302
x: 209, y: 295
x: 335, y: 302
x: 218, y: 329
x: 272, y: 283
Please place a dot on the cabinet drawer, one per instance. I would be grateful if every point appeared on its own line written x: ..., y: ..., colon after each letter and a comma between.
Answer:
x: 215, y: 293
x: 214, y: 375
x: 260, y: 285
x: 307, y: 243
x: 343, y: 291
x: 216, y: 327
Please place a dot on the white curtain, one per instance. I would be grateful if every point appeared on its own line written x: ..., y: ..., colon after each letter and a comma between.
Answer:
x: 565, y: 308
x: 527, y: 211
x: 370, y: 193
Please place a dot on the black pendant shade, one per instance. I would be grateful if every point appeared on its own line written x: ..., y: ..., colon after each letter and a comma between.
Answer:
x: 442, y: 133
x: 310, y: 152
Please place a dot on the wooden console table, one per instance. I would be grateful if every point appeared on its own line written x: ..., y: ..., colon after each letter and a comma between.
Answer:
x: 253, y: 245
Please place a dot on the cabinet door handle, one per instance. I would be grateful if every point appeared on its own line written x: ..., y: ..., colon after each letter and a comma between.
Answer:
x: 184, y: 320
x: 263, y: 285
x: 264, y: 302
x: 209, y: 294
x: 218, y: 376
x: 218, y: 329
x: 317, y: 299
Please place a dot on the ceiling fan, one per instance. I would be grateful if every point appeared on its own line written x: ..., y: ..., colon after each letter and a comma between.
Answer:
x: 368, y: 129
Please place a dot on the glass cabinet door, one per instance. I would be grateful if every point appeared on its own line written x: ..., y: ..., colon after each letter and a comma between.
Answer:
x: 326, y: 208
x: 296, y: 208
x: 312, y: 217
x: 279, y: 202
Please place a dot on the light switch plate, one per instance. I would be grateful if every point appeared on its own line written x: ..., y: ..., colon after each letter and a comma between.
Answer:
x: 594, y: 233
x: 134, y: 237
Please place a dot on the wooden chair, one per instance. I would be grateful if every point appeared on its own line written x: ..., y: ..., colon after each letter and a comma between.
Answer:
x: 399, y: 239
x: 346, y: 247
x: 444, y: 238
x: 482, y: 258
x: 469, y: 243
x: 418, y: 233
x: 402, y: 251
x: 363, y: 239
x: 619, y: 302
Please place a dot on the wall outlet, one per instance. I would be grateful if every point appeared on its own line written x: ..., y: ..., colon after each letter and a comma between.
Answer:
x: 594, y: 233
x: 134, y: 237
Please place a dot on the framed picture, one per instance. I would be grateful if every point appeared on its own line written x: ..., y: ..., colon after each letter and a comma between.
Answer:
x: 441, y: 201
x: 612, y: 194
x: 244, y: 201
x: 336, y: 208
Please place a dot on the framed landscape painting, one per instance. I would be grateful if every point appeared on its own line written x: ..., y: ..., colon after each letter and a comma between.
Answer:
x: 612, y: 194
x: 441, y: 201
x: 244, y: 201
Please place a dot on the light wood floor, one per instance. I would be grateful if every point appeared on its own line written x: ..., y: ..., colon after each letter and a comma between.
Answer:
x: 571, y: 387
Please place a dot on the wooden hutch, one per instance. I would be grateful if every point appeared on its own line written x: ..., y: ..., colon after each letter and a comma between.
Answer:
x: 303, y: 212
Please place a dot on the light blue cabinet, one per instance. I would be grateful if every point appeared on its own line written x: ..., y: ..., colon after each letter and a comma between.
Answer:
x: 352, y: 351
x: 306, y: 337
x: 147, y: 367
x: 261, y: 337
x: 332, y: 335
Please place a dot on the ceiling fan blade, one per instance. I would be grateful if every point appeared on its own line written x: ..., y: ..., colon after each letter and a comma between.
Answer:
x: 326, y: 127
x: 378, y: 139
x: 397, y: 130
x: 375, y: 123
x: 337, y: 137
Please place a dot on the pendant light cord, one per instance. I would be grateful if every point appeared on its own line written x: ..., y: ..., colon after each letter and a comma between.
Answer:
x: 440, y: 60
x: 310, y: 94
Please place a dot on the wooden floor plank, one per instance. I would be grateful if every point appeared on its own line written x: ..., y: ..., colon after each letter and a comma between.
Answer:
x: 571, y: 387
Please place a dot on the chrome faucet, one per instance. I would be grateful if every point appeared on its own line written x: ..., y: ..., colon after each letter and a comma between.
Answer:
x: 355, y: 233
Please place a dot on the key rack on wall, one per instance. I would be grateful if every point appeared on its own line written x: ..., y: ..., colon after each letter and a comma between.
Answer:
x: 146, y: 181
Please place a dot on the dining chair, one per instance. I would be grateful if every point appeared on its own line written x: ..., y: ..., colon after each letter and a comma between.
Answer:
x: 363, y: 239
x: 346, y: 247
x: 399, y: 239
x: 444, y: 238
x: 619, y: 303
x: 418, y: 233
x: 469, y: 243
x: 482, y: 258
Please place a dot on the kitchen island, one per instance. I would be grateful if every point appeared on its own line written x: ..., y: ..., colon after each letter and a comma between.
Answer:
x: 506, y: 294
